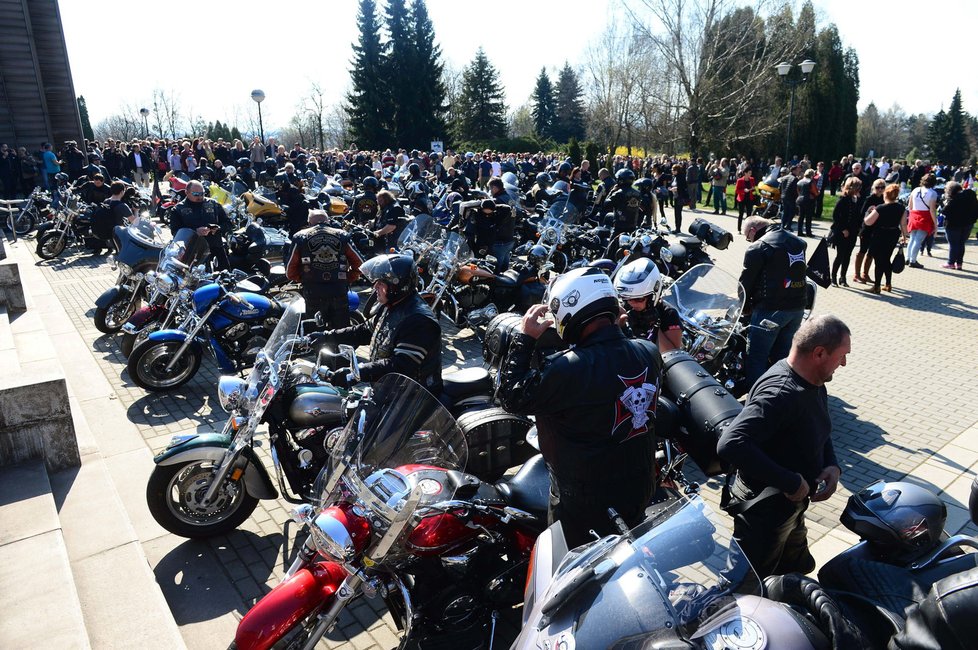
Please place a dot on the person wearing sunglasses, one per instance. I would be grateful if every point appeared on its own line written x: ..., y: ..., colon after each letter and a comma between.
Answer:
x: 206, y: 217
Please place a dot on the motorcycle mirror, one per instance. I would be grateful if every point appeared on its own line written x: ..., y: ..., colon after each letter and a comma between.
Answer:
x: 973, y: 501
x: 769, y: 325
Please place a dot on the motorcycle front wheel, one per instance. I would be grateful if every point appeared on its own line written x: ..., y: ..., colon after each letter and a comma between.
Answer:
x: 174, y: 494
x: 24, y: 222
x: 148, y: 361
x: 110, y: 319
x: 51, y: 244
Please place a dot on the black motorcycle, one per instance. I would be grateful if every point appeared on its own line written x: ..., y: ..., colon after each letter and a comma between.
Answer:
x: 71, y: 225
x: 140, y: 244
x: 35, y: 210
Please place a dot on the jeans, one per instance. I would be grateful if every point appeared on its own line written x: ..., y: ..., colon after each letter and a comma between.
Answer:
x: 502, y: 253
x: 766, y: 346
x: 916, y: 244
x: 956, y: 238
x: 788, y: 211
x: 719, y: 199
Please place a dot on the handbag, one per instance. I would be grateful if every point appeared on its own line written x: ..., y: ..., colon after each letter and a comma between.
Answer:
x: 899, y: 261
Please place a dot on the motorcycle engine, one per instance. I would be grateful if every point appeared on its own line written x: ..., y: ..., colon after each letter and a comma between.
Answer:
x: 472, y: 296
x: 236, y: 331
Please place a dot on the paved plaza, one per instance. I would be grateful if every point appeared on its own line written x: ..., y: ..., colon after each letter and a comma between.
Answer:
x: 903, y: 407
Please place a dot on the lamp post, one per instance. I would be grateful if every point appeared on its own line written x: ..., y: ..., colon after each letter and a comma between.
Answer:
x: 259, y: 97
x: 145, y: 113
x: 783, y: 69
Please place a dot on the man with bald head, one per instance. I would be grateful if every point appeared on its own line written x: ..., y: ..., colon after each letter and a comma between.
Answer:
x: 207, y: 217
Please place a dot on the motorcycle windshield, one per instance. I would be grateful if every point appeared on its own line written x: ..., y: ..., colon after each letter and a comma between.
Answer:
x: 419, y: 234
x: 263, y: 380
x: 186, y: 247
x: 390, y: 459
x: 146, y: 233
x: 673, y: 573
x: 561, y: 210
x: 708, y: 300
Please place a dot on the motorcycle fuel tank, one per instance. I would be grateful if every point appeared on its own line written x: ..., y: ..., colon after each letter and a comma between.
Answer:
x: 316, y: 406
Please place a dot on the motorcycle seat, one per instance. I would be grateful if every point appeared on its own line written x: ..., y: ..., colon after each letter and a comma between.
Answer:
x: 508, y: 279
x: 466, y: 383
x: 529, y: 488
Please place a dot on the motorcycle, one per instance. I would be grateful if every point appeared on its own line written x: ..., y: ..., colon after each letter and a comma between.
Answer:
x: 395, y: 516
x: 552, y: 230
x: 35, y: 210
x: 71, y: 225
x: 140, y: 244
x: 232, y: 325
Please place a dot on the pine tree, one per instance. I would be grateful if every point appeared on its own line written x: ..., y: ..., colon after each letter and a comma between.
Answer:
x: 86, y: 123
x: 235, y: 134
x: 482, y: 105
x: 544, y: 112
x: 957, y: 143
x: 368, y: 103
x: 569, y: 106
x: 939, y: 136
x: 400, y: 68
x: 427, y: 114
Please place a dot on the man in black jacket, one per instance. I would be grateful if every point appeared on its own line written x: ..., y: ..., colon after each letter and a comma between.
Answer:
x: 774, y: 282
x: 207, y: 217
x: 788, y: 185
x: 594, y: 405
x: 781, y: 446
x: 406, y: 338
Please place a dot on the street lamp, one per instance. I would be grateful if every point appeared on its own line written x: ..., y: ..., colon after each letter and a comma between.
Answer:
x: 259, y: 97
x: 145, y: 113
x: 783, y: 69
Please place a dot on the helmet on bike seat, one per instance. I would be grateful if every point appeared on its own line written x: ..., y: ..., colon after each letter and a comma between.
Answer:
x: 543, y: 179
x: 579, y: 297
x: 398, y: 273
x: 896, y: 517
x: 537, y: 255
x: 639, y: 279
x: 371, y: 183
x: 624, y: 176
x: 645, y: 185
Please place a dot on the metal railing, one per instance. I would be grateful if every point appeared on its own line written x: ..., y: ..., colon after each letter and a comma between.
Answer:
x: 8, y: 209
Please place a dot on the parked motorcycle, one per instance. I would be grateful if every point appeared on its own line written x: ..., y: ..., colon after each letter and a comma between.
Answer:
x: 140, y: 244
x: 35, y: 210
x: 70, y: 226
x: 233, y: 326
x: 396, y: 516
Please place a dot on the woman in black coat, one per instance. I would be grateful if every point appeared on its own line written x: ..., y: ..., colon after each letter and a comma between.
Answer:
x: 960, y: 215
x: 680, y: 194
x: 846, y: 221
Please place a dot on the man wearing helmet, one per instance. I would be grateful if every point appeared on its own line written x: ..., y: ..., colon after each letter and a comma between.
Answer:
x: 594, y: 404
x: 639, y: 284
x: 266, y: 178
x: 626, y: 202
x: 538, y: 193
x: 325, y: 262
x: 364, y: 208
x: 406, y: 338
x: 781, y: 446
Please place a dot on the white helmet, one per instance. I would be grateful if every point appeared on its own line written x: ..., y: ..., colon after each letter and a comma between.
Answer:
x: 509, y: 178
x: 639, y: 279
x: 578, y: 297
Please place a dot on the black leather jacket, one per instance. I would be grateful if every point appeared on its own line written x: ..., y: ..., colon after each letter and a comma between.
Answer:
x: 947, y: 619
x: 627, y: 202
x: 406, y: 339
x: 594, y: 407
x: 774, y: 271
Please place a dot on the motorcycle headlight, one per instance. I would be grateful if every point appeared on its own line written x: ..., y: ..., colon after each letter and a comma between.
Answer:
x: 112, y: 262
x: 623, y: 240
x: 666, y: 255
x: 332, y: 538
x: 124, y: 268
x: 164, y: 283
x: 230, y: 391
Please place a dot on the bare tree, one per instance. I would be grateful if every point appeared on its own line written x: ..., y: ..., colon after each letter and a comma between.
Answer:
x: 451, y: 76
x: 166, y: 113
x: 125, y: 125
x: 520, y: 123
x: 613, y: 66
x: 720, y: 54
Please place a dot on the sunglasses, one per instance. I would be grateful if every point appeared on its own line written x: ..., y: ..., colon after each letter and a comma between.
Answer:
x: 196, y: 194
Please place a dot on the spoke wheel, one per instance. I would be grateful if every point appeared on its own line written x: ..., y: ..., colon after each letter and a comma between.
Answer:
x: 175, y: 496
x: 147, y: 365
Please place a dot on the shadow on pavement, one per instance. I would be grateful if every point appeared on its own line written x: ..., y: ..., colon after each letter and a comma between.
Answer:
x: 155, y: 409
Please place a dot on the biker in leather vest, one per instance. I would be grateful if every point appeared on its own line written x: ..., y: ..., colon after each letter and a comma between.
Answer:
x: 774, y: 269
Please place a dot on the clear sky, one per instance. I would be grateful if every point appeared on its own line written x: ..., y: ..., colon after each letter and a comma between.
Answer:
x: 212, y: 53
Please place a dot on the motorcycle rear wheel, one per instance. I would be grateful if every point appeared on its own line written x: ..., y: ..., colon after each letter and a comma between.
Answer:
x: 147, y: 366
x: 173, y: 495
x: 24, y: 222
x: 51, y: 244
x: 110, y: 319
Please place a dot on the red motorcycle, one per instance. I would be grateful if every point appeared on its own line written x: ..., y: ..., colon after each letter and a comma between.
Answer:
x: 398, y: 518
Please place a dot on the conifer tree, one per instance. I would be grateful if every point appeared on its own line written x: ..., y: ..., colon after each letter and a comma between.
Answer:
x: 544, y: 112
x: 482, y: 104
x: 368, y: 103
x: 85, y: 120
x: 427, y: 115
x: 569, y: 106
x: 400, y: 68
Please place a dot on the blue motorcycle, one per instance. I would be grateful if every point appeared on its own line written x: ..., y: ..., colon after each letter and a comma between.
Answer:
x: 231, y: 325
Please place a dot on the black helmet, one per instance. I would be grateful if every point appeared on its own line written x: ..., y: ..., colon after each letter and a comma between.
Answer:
x: 896, y: 517
x: 92, y: 157
x: 414, y: 170
x: 371, y: 183
x: 460, y: 184
x: 564, y: 169
x: 271, y: 165
x: 359, y: 159
x: 645, y: 185
x: 312, y: 165
x: 625, y: 176
x: 397, y: 272
x: 61, y: 177
x: 543, y: 179
x: 244, y: 163
x: 537, y: 255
